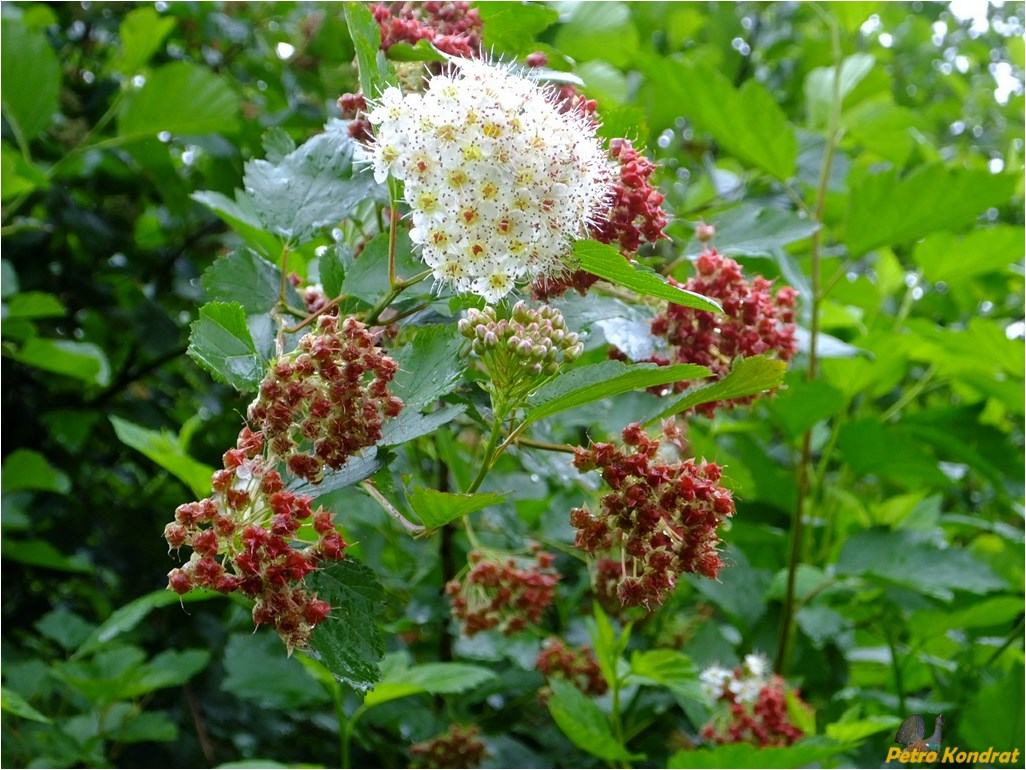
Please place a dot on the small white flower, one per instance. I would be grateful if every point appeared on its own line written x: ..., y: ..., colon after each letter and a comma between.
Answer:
x: 713, y: 680
x: 497, y: 179
x: 758, y: 665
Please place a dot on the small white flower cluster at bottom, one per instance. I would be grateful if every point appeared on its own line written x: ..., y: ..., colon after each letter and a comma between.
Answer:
x: 744, y: 683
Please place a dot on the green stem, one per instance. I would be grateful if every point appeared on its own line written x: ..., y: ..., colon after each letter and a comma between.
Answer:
x: 489, y: 454
x: 398, y: 288
x: 413, y: 529
x: 805, y: 463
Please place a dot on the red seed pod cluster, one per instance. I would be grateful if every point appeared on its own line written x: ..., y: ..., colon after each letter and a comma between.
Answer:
x: 245, y: 538
x: 452, y: 27
x: 660, y: 519
x: 354, y: 107
x: 326, y: 400
x: 577, y: 666
x: 755, y: 321
x: 751, y: 705
x: 459, y: 747
x: 635, y: 216
x: 504, y: 595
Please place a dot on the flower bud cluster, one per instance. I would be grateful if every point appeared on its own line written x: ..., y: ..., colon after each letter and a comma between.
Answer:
x: 755, y: 321
x: 498, y: 180
x: 517, y: 351
x: 244, y: 538
x: 452, y: 27
x: 578, y: 666
x: 661, y: 517
x: 459, y: 747
x: 326, y: 400
x: 504, y: 595
x: 752, y: 705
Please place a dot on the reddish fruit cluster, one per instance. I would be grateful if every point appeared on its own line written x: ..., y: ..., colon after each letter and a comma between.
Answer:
x: 242, y: 540
x: 502, y: 595
x: 764, y: 722
x: 459, y: 747
x: 353, y: 107
x: 452, y: 27
x: 755, y: 321
x: 661, y: 517
x: 330, y: 395
x: 635, y: 216
x: 577, y: 666
x: 636, y: 213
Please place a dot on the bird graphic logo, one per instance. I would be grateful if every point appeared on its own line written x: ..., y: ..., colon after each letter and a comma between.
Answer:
x: 913, y: 729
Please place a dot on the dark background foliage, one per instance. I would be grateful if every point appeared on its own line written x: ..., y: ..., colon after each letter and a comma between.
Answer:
x: 910, y: 582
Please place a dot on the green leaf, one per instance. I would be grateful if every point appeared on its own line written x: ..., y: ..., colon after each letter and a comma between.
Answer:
x: 242, y: 215
x: 434, y: 678
x: 79, y: 360
x: 220, y: 342
x: 258, y: 670
x: 597, y: 381
x: 885, y: 209
x: 13, y: 703
x: 142, y: 31
x: 40, y: 553
x: 430, y: 366
x: 984, y: 725
x: 668, y: 668
x: 753, y: 231
x: 148, y: 726
x: 903, y: 557
x: 64, y: 627
x: 249, y: 279
x: 435, y: 508
x: 32, y: 79
x: 180, y: 98
x: 514, y: 27
x: 606, y: 262
x: 126, y: 618
x: 349, y: 642
x: 422, y: 51
x: 804, y: 404
x: 366, y: 35
x: 26, y: 469
x: 165, y: 449
x: 411, y: 424
x: 855, y: 730
x: 748, y: 122
x: 805, y: 753
x: 906, y: 459
x: 355, y: 470
x: 819, y: 86
x: 747, y: 377
x: 311, y: 188
x: 332, y: 269
x: 583, y: 722
x: 953, y: 259
x: 33, y: 304
x: 169, y: 668
x: 599, y: 31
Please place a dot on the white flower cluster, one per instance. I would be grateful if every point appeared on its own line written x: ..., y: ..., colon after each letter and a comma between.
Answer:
x: 498, y: 180
x: 745, y: 682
